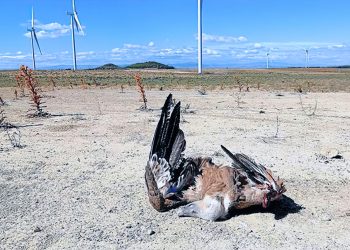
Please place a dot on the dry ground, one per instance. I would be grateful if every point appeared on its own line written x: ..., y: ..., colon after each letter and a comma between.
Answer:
x: 77, y: 183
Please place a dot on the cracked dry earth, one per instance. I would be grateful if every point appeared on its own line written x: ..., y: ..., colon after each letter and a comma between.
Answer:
x: 77, y: 183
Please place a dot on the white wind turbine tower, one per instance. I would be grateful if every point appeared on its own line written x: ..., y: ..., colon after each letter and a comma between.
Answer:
x: 200, y: 2
x: 34, y: 37
x: 307, y: 58
x: 74, y: 22
x: 267, y: 59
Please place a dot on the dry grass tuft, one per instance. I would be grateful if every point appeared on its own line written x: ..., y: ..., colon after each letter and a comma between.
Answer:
x: 141, y: 90
x: 52, y: 82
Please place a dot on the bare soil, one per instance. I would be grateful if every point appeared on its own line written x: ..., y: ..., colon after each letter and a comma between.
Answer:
x: 77, y: 182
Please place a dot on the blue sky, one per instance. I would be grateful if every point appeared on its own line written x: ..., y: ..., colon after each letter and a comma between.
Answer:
x: 237, y: 33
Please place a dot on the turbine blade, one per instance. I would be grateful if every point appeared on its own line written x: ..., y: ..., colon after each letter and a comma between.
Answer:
x: 73, y: 3
x: 32, y: 17
x: 77, y: 23
x: 37, y: 42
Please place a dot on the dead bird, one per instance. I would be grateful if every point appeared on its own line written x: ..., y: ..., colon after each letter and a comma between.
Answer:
x: 203, y: 189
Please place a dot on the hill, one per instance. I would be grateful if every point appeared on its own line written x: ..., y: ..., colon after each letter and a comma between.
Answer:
x: 149, y: 65
x: 108, y: 66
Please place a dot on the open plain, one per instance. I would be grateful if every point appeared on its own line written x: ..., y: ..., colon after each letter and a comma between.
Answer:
x: 77, y: 181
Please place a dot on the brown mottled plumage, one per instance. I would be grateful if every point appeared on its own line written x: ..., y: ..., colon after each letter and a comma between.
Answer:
x: 209, y: 190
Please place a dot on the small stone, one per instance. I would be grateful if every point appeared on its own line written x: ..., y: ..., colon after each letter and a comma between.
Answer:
x: 151, y: 232
x: 37, y: 230
x: 128, y: 226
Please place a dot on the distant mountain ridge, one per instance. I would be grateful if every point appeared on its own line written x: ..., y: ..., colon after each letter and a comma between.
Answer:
x: 108, y: 66
x: 149, y: 65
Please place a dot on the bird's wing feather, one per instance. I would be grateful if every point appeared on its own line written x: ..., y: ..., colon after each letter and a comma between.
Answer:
x: 255, y: 171
x: 171, y: 171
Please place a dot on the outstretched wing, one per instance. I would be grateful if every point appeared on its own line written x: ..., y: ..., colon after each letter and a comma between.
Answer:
x: 169, y: 140
x: 255, y: 172
x: 171, y: 171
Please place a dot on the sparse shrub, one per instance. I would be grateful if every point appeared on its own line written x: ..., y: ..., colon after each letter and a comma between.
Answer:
x: 83, y: 84
x: 2, y: 102
x: 34, y: 90
x: 2, y: 118
x: 239, y: 83
x: 308, y: 84
x: 95, y: 82
x: 202, y: 91
x: 277, y: 126
x: 187, y: 109
x: 141, y: 90
x: 238, y: 99
x: 14, y: 136
x: 53, y: 83
x: 122, y: 88
x: 16, y: 94
x: 308, y: 110
x: 299, y: 89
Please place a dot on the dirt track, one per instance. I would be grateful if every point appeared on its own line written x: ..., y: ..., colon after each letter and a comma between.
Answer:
x: 78, y: 180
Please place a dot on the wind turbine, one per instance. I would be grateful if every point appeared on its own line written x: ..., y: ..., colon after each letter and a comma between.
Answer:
x: 306, y: 58
x: 74, y: 22
x: 200, y: 2
x: 267, y: 59
x: 33, y: 36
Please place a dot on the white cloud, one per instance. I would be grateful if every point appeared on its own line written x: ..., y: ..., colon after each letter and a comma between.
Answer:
x: 223, y: 39
x: 336, y: 46
x: 50, y: 30
x: 132, y: 46
x: 119, y: 50
x: 210, y: 52
x: 151, y: 44
x: 13, y: 57
x: 86, y: 53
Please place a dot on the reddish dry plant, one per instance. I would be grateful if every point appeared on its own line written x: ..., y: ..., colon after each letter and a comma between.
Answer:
x: 33, y: 88
x: 20, y: 83
x: 141, y: 90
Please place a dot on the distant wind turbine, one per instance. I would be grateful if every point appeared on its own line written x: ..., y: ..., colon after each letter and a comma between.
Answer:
x: 74, y: 22
x: 267, y: 59
x: 200, y: 2
x: 34, y: 37
x: 307, y: 58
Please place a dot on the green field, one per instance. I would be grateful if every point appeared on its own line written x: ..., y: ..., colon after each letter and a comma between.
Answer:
x: 316, y: 80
